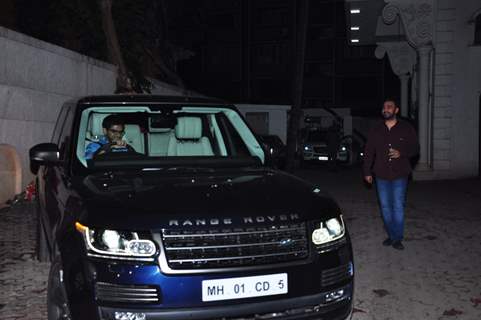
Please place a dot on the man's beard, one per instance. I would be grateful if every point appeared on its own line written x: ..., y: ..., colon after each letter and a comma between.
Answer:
x: 389, y: 116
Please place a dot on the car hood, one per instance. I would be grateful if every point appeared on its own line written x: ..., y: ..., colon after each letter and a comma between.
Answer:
x: 149, y: 200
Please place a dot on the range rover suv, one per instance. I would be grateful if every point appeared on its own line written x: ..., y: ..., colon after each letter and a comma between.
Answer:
x: 190, y: 223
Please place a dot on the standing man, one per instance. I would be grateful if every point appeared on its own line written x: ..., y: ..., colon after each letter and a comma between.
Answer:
x: 390, y: 145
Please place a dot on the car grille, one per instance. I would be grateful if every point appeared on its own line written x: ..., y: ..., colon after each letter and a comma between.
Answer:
x: 336, y: 275
x: 320, y: 150
x: 216, y: 248
x: 107, y: 292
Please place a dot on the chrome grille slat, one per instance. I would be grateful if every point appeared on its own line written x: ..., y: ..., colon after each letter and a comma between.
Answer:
x: 232, y: 258
x: 227, y: 246
x: 335, y: 275
x: 108, y: 292
x: 226, y: 233
x: 236, y: 247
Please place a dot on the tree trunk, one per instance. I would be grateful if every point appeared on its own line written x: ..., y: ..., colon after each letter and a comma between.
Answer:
x: 293, y: 131
x: 123, y: 81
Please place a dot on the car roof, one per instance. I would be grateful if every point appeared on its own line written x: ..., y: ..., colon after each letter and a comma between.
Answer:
x: 144, y: 98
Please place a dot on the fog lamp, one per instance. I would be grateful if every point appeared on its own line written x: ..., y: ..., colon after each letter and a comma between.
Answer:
x: 334, y: 295
x: 141, y: 247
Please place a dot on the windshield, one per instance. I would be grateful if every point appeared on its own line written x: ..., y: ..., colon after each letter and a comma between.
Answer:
x: 316, y: 136
x: 145, y: 135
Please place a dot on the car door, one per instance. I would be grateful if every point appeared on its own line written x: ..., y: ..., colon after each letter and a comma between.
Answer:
x: 56, y: 177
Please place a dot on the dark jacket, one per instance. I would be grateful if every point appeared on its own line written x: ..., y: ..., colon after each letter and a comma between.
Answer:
x: 402, y: 137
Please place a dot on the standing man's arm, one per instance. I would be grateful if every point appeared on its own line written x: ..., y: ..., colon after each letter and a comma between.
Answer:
x: 369, y: 153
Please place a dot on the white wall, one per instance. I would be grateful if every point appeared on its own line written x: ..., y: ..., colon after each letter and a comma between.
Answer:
x: 457, y: 86
x: 466, y: 91
x: 277, y: 117
x: 36, y: 78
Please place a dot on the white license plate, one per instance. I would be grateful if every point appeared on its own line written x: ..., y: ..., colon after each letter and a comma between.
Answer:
x: 323, y: 158
x: 244, y: 287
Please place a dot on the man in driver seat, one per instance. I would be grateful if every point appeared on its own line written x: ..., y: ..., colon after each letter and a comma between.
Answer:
x: 111, y: 142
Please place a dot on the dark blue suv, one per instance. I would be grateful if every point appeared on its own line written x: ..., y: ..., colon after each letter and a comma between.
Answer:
x: 166, y: 208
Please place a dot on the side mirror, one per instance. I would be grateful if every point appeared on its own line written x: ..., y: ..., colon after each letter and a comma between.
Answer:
x: 43, y: 154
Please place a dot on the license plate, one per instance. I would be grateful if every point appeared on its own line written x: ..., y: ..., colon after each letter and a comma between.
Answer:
x: 323, y: 158
x: 244, y: 287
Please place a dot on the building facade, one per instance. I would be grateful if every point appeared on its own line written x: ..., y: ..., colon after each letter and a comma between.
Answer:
x: 434, y: 47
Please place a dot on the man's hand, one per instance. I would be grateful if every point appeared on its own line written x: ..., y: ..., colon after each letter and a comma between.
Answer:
x: 118, y: 144
x: 394, y: 154
x: 368, y: 179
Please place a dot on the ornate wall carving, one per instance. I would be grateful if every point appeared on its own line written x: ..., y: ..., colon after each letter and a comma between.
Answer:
x: 417, y: 17
x: 401, y: 55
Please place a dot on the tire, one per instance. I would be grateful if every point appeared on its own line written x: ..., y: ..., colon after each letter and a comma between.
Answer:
x: 57, y: 304
x: 42, y: 249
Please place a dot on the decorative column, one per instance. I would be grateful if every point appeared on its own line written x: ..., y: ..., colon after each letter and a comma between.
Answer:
x: 418, y: 20
x: 424, y: 113
x: 404, y: 94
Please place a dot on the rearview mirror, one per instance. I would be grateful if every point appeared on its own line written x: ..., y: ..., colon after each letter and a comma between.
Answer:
x: 43, y: 154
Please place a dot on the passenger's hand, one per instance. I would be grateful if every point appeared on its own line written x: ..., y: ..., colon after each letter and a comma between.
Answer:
x: 368, y: 179
x: 119, y: 144
x: 394, y: 154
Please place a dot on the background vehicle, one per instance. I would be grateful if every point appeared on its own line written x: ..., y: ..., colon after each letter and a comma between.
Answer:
x: 192, y: 225
x: 316, y: 138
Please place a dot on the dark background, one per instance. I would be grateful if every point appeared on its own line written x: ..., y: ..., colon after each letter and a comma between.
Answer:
x: 239, y: 50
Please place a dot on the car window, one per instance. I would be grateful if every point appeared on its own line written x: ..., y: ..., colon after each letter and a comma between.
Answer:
x: 180, y: 131
x: 59, y: 124
x: 65, y: 133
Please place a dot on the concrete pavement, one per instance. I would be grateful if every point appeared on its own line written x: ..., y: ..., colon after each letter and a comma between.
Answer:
x: 437, y: 276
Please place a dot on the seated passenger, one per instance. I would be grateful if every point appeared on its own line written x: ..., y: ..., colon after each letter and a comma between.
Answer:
x: 111, y: 142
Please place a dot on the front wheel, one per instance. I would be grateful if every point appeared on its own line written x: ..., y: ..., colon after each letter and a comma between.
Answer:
x: 57, y: 304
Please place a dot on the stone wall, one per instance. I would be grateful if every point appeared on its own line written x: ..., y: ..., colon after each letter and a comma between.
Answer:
x: 457, y: 86
x: 36, y: 78
x: 445, y: 19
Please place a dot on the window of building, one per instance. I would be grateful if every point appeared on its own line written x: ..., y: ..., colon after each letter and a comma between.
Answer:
x: 477, y: 30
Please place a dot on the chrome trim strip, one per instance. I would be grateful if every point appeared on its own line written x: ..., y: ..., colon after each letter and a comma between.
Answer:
x: 238, y: 257
x: 230, y: 245
x: 227, y: 233
x: 93, y: 255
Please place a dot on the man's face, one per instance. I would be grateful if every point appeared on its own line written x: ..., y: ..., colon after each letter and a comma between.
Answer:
x: 389, y: 110
x: 114, y: 133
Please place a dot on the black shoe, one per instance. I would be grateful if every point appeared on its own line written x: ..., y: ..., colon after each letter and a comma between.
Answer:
x: 387, y: 242
x: 398, y: 245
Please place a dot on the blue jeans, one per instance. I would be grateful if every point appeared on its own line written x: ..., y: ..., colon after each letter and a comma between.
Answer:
x: 392, y: 197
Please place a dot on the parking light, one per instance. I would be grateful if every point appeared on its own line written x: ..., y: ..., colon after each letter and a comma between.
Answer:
x: 129, y: 315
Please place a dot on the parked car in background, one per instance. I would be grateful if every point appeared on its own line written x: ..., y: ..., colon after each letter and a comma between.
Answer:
x: 188, y: 223
x: 315, y: 148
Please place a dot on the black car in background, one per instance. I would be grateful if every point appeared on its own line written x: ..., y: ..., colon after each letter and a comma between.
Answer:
x: 190, y: 223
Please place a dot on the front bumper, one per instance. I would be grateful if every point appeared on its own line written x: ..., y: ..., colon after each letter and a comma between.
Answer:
x: 306, y: 307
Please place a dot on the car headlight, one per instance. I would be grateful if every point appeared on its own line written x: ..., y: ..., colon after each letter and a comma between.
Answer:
x: 328, y: 231
x: 307, y: 148
x: 115, y: 244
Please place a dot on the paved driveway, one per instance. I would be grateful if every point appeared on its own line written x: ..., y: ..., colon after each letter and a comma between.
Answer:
x: 437, y: 276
